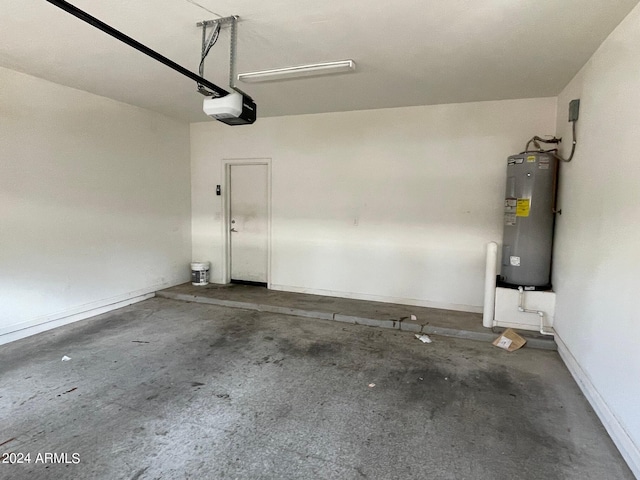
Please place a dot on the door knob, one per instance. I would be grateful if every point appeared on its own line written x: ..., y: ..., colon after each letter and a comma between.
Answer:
x: 233, y: 229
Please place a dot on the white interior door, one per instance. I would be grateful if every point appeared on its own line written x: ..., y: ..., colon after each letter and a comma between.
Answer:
x: 248, y: 222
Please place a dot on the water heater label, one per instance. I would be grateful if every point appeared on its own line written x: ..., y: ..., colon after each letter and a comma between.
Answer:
x: 523, y: 207
x: 531, y: 159
x: 514, y: 261
x: 543, y: 164
x: 510, y: 219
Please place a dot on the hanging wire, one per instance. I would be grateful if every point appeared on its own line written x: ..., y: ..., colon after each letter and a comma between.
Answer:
x: 555, y: 140
x: 206, y: 47
x: 573, y: 146
x: 537, y: 139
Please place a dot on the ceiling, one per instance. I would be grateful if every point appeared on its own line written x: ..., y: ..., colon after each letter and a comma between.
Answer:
x: 408, y: 52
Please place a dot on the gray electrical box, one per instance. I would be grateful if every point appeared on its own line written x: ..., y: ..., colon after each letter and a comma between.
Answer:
x: 528, y: 220
x: 574, y: 110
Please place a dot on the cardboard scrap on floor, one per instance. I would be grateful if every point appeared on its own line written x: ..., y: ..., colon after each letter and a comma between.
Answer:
x: 509, y: 340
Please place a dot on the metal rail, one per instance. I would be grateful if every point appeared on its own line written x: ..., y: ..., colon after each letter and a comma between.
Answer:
x: 109, y: 30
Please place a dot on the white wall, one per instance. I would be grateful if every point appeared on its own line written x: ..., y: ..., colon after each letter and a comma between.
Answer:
x: 391, y: 205
x: 597, y: 251
x: 94, y: 203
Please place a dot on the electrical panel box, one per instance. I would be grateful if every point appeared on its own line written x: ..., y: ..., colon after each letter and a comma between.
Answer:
x: 574, y: 110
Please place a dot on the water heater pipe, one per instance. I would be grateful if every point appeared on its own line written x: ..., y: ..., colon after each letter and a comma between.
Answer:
x: 540, y: 313
x: 490, y: 285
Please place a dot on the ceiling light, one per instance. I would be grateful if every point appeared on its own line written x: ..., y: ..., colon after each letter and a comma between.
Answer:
x: 313, y: 70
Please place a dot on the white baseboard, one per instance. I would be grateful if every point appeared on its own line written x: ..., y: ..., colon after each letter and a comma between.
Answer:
x: 629, y: 450
x: 17, y: 331
x: 378, y: 298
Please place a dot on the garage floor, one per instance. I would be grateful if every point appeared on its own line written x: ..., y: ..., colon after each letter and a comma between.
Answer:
x: 169, y: 389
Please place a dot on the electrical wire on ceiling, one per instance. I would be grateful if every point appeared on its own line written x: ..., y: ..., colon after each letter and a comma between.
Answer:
x: 206, y: 47
x: 192, y: 2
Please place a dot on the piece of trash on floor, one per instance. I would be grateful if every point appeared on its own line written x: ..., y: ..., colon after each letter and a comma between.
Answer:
x: 7, y: 441
x: 371, y: 385
x: 413, y: 317
x: 66, y: 359
x: 509, y: 340
x: 68, y: 391
x: 423, y: 338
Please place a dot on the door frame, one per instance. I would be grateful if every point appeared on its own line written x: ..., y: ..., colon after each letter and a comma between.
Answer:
x: 227, y: 163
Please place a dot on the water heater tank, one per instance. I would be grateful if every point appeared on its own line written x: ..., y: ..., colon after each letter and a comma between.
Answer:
x: 528, y: 220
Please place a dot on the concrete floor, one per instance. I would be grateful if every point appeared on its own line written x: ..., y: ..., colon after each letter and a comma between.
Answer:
x: 171, y: 390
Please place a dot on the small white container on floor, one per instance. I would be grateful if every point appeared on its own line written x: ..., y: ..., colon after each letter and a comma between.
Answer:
x: 200, y: 273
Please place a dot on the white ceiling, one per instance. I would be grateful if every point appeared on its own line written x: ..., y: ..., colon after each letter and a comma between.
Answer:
x: 408, y: 52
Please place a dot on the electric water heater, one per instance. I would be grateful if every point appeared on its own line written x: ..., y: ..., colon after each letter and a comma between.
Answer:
x: 529, y: 220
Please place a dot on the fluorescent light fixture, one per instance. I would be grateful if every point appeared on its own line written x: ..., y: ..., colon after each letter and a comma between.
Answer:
x: 313, y: 70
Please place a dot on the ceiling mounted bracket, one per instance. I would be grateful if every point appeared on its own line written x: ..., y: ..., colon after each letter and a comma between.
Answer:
x: 221, y: 21
x: 233, y: 43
